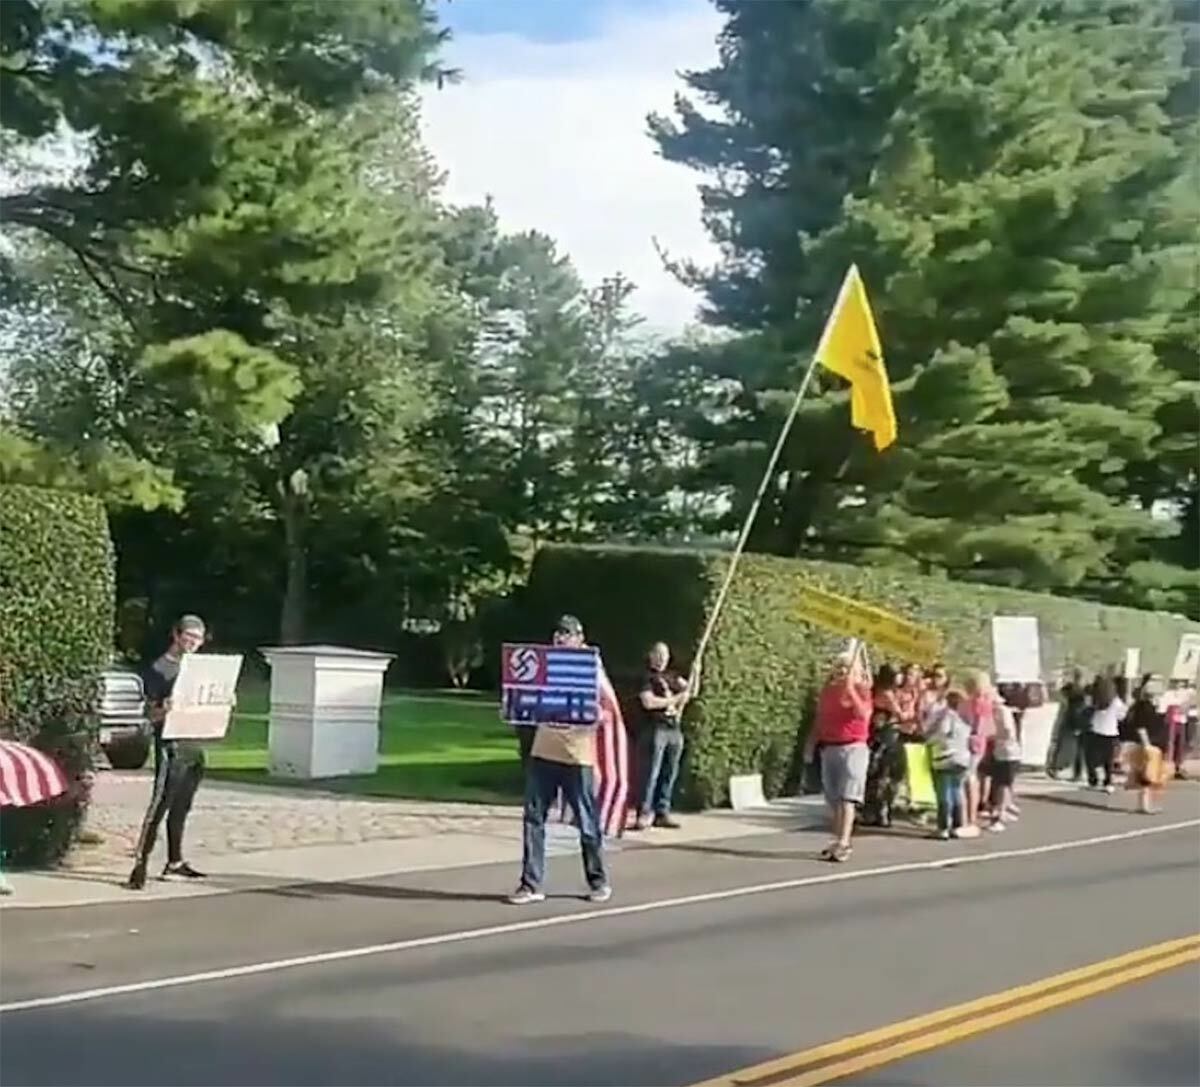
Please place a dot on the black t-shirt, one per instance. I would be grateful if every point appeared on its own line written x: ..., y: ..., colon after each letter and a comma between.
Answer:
x: 1144, y: 715
x: 158, y: 681
x: 660, y: 684
x: 1075, y: 696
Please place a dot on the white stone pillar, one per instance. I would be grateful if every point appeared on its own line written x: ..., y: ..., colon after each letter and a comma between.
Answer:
x: 325, y: 703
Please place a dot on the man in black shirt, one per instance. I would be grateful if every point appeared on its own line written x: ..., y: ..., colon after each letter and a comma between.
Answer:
x: 178, y: 764
x: 663, y: 696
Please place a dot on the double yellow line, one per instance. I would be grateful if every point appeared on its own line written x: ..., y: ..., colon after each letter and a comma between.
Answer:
x: 861, y: 1052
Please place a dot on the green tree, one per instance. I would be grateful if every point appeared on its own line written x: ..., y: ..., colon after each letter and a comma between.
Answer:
x: 1012, y: 179
x: 251, y: 200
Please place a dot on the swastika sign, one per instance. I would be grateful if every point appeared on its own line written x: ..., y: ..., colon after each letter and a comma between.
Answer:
x: 550, y: 684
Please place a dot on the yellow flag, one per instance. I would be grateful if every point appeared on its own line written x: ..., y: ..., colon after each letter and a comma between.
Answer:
x: 850, y: 348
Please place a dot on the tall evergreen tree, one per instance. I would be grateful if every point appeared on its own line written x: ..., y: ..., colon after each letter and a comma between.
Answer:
x: 1011, y: 178
x: 250, y: 199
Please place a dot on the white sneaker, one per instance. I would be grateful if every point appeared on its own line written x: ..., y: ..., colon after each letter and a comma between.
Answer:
x: 970, y: 831
x: 997, y: 827
x: 525, y: 896
x: 600, y: 894
x: 1110, y: 789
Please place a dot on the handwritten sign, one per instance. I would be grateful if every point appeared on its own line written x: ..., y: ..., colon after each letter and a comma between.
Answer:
x: 892, y: 633
x: 1187, y: 659
x: 203, y: 697
x: 550, y: 684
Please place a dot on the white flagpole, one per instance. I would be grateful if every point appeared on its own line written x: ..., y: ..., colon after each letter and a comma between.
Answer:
x: 706, y: 637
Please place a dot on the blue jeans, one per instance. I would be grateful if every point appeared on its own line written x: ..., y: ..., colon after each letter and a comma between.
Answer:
x: 543, y: 780
x: 947, y: 784
x: 664, y: 751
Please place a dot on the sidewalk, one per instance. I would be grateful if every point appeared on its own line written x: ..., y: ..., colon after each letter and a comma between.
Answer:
x: 251, y: 837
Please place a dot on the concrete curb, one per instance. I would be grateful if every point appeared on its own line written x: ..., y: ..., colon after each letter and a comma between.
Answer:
x: 233, y: 873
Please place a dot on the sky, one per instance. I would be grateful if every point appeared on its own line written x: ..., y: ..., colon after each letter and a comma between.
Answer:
x: 549, y: 120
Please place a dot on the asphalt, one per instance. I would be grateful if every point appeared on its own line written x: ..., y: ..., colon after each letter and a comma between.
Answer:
x: 672, y: 994
x: 1145, y: 1033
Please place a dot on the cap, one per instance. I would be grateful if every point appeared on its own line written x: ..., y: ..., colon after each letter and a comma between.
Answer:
x: 568, y: 624
x: 191, y: 624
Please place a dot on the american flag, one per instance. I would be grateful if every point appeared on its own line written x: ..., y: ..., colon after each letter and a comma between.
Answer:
x: 28, y: 776
x: 612, y: 761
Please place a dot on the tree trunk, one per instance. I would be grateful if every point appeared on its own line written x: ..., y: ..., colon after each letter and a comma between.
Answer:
x: 295, y: 594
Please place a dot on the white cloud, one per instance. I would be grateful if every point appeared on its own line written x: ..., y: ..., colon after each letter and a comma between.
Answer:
x: 555, y: 133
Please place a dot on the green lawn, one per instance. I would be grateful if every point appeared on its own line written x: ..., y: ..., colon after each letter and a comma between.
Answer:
x: 433, y: 746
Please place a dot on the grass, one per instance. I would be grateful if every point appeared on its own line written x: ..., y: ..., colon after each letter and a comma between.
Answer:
x: 433, y: 746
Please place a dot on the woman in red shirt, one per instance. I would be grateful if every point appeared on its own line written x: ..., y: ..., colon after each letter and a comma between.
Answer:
x: 842, y: 725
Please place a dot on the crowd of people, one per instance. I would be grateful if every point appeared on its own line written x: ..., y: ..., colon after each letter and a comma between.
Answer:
x: 875, y: 736
x: 901, y: 739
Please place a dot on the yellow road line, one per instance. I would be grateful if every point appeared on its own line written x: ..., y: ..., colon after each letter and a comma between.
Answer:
x: 893, y: 1042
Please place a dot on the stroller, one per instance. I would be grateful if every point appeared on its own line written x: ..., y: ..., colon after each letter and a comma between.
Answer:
x: 885, y: 771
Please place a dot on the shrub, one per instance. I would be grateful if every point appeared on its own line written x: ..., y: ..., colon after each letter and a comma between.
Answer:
x: 56, y: 634
x: 764, y: 666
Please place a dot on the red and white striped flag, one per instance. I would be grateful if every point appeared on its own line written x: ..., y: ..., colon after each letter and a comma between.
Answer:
x: 612, y: 761
x: 612, y: 764
x: 28, y: 776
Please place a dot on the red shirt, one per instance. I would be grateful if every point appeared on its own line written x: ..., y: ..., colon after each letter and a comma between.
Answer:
x: 839, y: 719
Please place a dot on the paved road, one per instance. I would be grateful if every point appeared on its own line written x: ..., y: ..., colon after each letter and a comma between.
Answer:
x: 1146, y: 1033
x: 652, y: 993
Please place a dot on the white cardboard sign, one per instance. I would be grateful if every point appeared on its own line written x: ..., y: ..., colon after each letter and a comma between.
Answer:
x: 1133, y: 663
x: 1187, y: 659
x: 1016, y: 649
x: 203, y: 697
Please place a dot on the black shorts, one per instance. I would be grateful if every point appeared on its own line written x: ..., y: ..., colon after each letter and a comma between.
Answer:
x: 1004, y: 773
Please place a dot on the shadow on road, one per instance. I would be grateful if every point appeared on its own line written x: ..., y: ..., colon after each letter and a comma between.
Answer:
x: 247, y: 1046
x: 1110, y: 805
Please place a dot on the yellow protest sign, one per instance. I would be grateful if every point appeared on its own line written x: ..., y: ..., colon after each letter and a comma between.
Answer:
x: 892, y: 633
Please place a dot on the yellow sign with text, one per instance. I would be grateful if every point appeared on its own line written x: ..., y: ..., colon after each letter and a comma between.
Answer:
x: 907, y: 641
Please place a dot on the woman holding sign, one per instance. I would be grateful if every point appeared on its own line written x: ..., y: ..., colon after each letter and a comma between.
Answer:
x: 842, y: 726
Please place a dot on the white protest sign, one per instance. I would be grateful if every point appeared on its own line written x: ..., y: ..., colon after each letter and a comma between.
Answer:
x: 1133, y: 663
x: 1016, y: 649
x: 203, y: 697
x: 1187, y: 659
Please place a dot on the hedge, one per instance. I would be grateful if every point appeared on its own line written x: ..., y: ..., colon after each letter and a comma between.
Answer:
x: 56, y: 634
x: 764, y: 666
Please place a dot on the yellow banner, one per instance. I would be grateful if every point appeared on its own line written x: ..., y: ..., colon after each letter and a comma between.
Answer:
x: 908, y: 642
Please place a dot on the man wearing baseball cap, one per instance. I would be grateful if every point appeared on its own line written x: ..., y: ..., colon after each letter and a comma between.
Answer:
x: 178, y: 764
x: 562, y: 758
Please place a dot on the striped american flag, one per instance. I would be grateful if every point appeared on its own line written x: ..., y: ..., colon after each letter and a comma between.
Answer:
x: 28, y: 776
x: 612, y: 761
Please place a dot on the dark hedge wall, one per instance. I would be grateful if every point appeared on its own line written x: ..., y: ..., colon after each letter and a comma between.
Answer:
x: 763, y: 668
x: 56, y: 634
